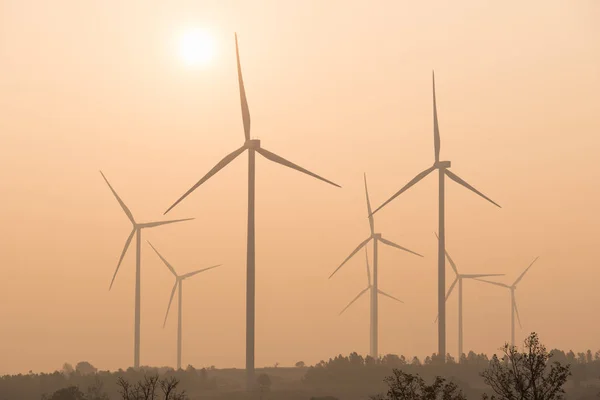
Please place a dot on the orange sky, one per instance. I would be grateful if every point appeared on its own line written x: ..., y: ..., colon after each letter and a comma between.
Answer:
x: 341, y: 88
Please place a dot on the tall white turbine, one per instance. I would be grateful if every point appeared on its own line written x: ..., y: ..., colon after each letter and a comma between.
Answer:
x: 178, y: 286
x: 137, y: 231
x: 459, y: 279
x: 443, y: 168
x: 253, y: 146
x: 513, y: 301
x: 376, y: 237
x: 373, y: 340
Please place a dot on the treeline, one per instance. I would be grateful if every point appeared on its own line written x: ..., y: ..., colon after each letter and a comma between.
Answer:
x: 352, y: 376
x: 98, y: 385
x: 357, y: 371
x: 367, y: 375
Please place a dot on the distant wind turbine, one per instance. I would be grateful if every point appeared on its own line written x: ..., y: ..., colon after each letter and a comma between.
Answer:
x: 459, y: 279
x: 376, y: 237
x: 137, y: 231
x: 442, y: 166
x: 178, y: 286
x: 253, y: 146
x: 373, y: 309
x: 513, y: 301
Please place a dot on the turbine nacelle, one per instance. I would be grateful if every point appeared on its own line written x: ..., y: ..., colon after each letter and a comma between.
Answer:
x: 252, y: 144
x: 442, y: 164
x: 376, y: 236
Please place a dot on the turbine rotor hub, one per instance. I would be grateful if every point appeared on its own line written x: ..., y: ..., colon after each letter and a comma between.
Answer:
x: 377, y: 236
x: 253, y: 143
x: 443, y: 164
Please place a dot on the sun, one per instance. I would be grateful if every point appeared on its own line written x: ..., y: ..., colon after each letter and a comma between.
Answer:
x: 195, y: 47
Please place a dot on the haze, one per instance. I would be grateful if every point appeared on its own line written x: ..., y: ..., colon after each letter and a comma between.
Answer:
x: 341, y: 87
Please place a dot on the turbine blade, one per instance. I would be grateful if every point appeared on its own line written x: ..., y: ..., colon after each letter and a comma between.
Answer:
x: 524, y: 272
x: 517, y: 312
x: 436, y: 128
x: 220, y: 165
x: 451, y: 288
x: 163, y: 259
x: 371, y: 221
x: 159, y: 223
x: 198, y: 271
x: 360, y: 246
x: 493, y: 283
x: 356, y: 298
x: 123, y: 206
x: 448, y: 293
x: 381, y: 292
x: 127, y: 243
x: 243, y: 100
x: 280, y: 160
x: 170, y: 301
x: 368, y: 267
x: 392, y: 244
x: 448, y: 257
x: 414, y: 180
x: 473, y: 276
x: 458, y: 180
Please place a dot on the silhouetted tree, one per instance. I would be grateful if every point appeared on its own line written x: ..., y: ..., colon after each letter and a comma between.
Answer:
x: 190, y: 368
x: 526, y: 375
x: 67, y: 369
x: 559, y: 356
x: 403, y: 386
x: 356, y: 359
x: 68, y: 393
x: 392, y: 360
x: 370, y: 360
x: 300, y: 364
x: 148, y: 389
x: 85, y: 368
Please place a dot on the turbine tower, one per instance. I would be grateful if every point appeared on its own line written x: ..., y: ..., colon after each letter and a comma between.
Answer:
x: 178, y: 286
x: 137, y: 231
x: 513, y: 301
x: 253, y: 146
x: 459, y: 279
x: 376, y: 237
x: 443, y: 168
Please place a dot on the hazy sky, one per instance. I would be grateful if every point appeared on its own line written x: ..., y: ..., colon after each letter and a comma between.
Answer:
x: 340, y: 87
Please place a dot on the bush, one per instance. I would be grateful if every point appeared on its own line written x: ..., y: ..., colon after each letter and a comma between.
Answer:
x: 403, y: 386
x: 526, y: 375
x: 148, y: 389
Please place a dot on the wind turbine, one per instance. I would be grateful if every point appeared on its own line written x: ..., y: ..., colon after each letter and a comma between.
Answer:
x: 376, y: 237
x: 459, y: 279
x: 513, y: 301
x: 373, y: 308
x: 442, y: 167
x: 253, y: 146
x: 178, y: 286
x: 137, y: 231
